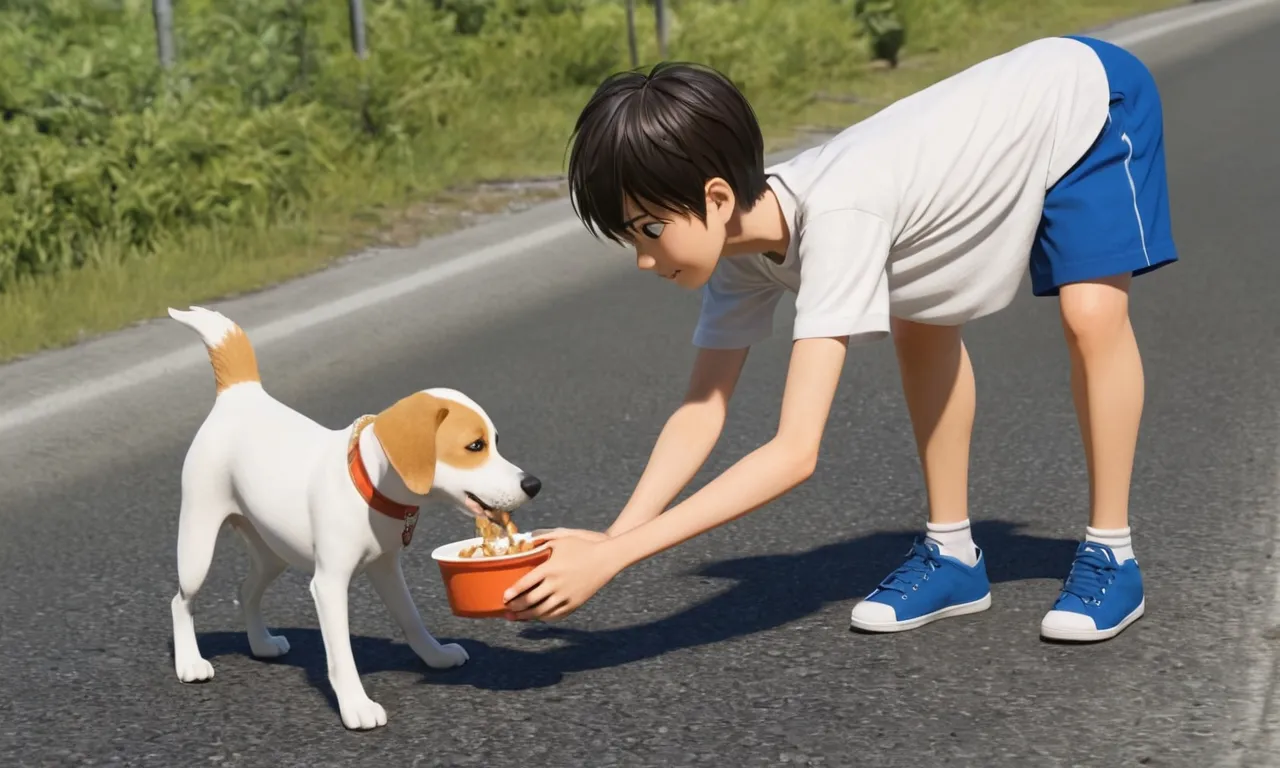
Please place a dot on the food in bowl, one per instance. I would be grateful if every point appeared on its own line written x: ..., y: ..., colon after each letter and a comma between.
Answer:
x: 475, y: 583
x: 497, y: 538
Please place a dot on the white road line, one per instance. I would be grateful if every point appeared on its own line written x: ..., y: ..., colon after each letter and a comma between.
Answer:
x: 1269, y: 715
x: 1218, y: 10
x: 1267, y: 739
x: 289, y: 325
x: 1258, y: 738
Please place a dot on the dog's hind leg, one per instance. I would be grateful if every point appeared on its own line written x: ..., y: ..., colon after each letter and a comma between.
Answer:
x: 264, y: 567
x: 198, y: 527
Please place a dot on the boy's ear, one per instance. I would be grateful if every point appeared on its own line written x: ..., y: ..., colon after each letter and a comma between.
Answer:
x: 720, y: 198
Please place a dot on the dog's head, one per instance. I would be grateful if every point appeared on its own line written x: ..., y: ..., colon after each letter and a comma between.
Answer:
x: 443, y: 444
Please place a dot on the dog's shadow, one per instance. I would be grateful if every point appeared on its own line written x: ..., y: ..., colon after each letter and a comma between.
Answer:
x: 767, y: 591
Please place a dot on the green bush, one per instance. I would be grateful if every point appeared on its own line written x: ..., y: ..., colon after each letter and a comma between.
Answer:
x: 267, y: 110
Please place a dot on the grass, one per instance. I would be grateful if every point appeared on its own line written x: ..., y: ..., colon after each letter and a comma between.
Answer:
x: 378, y: 204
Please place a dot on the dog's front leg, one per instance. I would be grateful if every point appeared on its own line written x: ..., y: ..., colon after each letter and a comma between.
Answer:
x: 388, y: 582
x: 329, y: 588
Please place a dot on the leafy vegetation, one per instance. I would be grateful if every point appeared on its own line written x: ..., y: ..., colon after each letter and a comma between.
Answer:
x: 269, y: 148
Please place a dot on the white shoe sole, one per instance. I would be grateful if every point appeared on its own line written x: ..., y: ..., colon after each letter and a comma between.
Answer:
x: 1093, y: 636
x: 977, y: 606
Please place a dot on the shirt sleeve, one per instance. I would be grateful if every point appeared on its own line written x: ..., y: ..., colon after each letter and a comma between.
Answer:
x: 844, y: 282
x: 738, y: 305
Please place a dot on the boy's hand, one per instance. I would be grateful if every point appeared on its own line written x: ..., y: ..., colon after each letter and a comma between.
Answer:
x: 553, y: 534
x: 576, y: 570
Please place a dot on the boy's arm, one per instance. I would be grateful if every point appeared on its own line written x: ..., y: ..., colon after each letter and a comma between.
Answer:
x: 843, y: 295
x: 762, y: 475
x: 578, y: 569
x: 738, y: 303
x: 687, y: 438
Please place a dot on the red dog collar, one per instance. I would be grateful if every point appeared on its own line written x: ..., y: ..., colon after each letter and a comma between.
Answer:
x: 364, y: 485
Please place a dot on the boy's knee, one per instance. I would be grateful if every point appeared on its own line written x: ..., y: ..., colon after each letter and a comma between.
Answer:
x: 1095, y: 311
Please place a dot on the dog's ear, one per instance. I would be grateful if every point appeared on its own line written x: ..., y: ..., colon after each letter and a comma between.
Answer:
x: 407, y: 432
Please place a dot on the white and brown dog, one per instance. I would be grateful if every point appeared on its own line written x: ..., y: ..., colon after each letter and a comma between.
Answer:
x: 332, y: 503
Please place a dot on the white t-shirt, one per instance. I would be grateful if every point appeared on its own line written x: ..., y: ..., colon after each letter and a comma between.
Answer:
x: 925, y: 211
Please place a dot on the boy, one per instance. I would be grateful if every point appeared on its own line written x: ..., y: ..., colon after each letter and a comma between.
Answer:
x: 909, y: 224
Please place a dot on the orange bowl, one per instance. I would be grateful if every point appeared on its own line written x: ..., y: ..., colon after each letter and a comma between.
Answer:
x: 475, y: 585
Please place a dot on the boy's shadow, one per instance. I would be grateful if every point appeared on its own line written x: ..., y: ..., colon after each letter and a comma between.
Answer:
x: 768, y: 591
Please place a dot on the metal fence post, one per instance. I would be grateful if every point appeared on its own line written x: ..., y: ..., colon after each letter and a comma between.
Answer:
x: 631, y: 33
x: 357, y: 28
x: 659, y: 12
x: 660, y: 16
x: 162, y: 10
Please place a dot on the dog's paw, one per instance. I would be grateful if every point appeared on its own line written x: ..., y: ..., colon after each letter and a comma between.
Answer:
x: 447, y: 657
x: 196, y: 671
x: 269, y: 647
x: 362, y: 713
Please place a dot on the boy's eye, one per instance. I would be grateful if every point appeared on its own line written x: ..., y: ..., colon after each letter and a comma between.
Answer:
x: 653, y: 229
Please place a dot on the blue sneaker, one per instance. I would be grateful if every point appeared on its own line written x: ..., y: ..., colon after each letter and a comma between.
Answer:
x: 927, y: 587
x: 1099, y: 598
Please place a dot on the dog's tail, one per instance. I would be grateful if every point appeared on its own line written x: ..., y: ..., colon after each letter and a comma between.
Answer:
x: 230, y: 352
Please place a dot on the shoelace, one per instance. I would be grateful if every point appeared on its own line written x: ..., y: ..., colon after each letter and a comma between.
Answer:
x: 1090, y: 575
x: 916, y: 569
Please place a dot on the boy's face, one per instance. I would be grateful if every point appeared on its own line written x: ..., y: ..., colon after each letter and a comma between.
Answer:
x: 680, y: 247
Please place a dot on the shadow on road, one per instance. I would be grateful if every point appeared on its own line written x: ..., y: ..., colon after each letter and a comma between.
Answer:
x: 767, y: 592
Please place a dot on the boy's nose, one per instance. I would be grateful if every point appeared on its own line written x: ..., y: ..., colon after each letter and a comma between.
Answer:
x: 645, y: 263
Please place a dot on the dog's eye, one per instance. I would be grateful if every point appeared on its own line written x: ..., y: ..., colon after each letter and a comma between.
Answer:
x: 476, y: 446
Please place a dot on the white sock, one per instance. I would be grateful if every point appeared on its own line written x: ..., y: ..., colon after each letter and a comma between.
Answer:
x: 954, y: 540
x: 1116, y: 538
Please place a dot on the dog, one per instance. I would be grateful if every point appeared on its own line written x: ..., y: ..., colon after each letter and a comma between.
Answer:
x: 331, y: 503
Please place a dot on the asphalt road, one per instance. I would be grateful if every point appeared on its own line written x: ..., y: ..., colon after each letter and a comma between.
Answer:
x: 733, y: 649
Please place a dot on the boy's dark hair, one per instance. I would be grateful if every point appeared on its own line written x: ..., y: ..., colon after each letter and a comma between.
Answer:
x: 659, y: 138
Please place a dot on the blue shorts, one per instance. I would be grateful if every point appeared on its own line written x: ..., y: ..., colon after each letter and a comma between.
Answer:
x: 1109, y: 215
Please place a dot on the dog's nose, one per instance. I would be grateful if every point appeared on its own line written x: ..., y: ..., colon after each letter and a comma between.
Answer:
x: 530, y: 485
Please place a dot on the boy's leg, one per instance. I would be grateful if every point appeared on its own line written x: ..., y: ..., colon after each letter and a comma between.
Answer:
x: 944, y: 575
x: 1104, y: 222
x: 1107, y: 386
x: 937, y: 382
